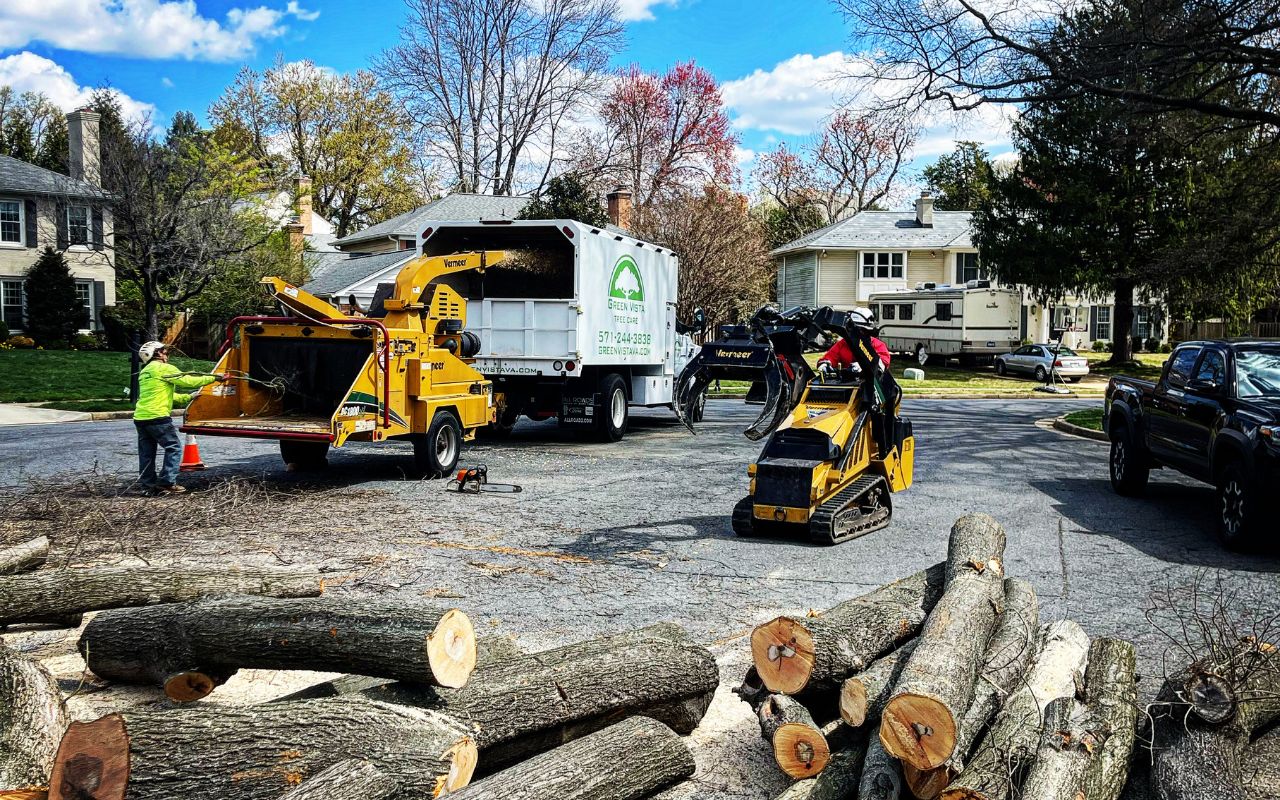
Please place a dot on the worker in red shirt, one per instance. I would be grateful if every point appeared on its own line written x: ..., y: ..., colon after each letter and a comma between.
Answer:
x: 840, y: 356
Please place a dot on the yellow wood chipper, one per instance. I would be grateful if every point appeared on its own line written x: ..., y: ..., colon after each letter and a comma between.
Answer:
x: 315, y: 378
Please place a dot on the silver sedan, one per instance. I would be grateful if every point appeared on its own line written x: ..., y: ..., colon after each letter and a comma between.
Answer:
x: 1036, y: 360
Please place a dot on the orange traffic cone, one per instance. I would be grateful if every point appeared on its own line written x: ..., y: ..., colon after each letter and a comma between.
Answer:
x: 191, y: 455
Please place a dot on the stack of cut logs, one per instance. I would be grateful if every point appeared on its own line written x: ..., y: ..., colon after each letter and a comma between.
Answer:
x: 946, y: 684
x: 426, y: 706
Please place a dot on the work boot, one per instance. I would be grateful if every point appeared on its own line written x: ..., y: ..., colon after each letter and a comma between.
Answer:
x: 174, y: 489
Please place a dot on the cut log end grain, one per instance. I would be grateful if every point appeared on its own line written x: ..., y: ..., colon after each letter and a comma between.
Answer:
x: 925, y: 784
x: 92, y: 761
x: 782, y: 651
x: 1211, y: 697
x: 191, y: 685
x: 462, y: 757
x: 919, y: 730
x: 24, y: 794
x: 853, y: 702
x: 800, y: 750
x: 451, y: 650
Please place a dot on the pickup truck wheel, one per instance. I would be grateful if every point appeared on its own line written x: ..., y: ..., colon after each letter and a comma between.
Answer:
x: 435, y: 453
x: 304, y: 456
x: 613, y: 414
x: 1129, y: 471
x: 1238, y: 512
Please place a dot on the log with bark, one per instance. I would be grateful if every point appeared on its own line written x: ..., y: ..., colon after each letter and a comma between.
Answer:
x: 189, y: 648
x: 633, y: 759
x: 1009, y: 653
x: 543, y: 700
x: 822, y: 703
x: 863, y: 696
x: 840, y: 779
x: 32, y: 720
x: 24, y: 556
x: 1066, y: 740
x: 257, y: 752
x: 345, y: 780
x: 920, y: 722
x: 57, y: 593
x: 1011, y: 741
x: 881, y: 773
x: 795, y: 653
x: 925, y: 784
x: 799, y: 747
x: 1261, y: 767
x: 1111, y: 695
x: 1204, y: 717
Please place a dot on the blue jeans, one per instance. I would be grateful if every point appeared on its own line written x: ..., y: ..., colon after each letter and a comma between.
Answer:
x: 152, y: 433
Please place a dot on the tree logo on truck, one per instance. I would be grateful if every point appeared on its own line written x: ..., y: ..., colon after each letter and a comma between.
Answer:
x: 626, y: 283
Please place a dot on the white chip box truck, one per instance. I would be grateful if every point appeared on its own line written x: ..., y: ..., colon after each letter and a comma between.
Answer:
x: 579, y: 323
x: 970, y: 322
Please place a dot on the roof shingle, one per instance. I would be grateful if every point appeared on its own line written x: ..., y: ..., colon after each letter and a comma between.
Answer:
x: 22, y: 178
x: 892, y: 230
x: 461, y: 207
x: 332, y: 271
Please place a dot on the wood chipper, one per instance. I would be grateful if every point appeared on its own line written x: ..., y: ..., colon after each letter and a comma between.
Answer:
x: 836, y: 449
x: 316, y: 377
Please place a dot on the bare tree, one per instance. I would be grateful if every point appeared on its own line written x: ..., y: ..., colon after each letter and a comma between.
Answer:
x: 489, y: 81
x: 968, y: 52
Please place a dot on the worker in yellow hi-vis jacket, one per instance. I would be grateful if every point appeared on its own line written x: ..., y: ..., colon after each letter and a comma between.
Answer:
x: 159, y: 383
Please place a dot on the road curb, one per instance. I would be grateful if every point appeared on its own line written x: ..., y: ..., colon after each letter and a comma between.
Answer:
x: 1061, y: 424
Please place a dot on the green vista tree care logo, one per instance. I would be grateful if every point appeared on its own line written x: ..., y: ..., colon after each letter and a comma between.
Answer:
x: 626, y: 283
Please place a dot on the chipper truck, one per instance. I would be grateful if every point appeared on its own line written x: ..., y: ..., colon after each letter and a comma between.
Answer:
x: 314, y: 378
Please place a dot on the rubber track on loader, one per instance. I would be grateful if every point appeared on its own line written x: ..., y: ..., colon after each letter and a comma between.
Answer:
x: 821, y: 524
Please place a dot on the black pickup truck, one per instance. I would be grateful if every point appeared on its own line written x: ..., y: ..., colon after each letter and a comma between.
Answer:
x: 1213, y: 415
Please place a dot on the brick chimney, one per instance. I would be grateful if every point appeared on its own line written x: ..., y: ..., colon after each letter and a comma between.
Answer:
x: 924, y: 209
x: 302, y: 199
x: 297, y: 238
x: 620, y: 208
x: 85, y: 150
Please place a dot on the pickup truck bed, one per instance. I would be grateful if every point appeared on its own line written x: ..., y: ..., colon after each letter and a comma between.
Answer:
x: 1213, y: 415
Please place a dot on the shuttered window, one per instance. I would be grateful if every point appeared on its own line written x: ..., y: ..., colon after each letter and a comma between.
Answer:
x: 11, y: 221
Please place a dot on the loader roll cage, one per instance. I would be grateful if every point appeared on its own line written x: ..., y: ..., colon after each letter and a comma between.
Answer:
x: 383, y: 362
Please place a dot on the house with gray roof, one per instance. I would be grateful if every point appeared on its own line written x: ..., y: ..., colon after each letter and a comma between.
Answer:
x: 39, y: 207
x: 400, y: 233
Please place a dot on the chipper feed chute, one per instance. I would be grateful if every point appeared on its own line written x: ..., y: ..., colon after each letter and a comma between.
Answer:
x: 837, y: 448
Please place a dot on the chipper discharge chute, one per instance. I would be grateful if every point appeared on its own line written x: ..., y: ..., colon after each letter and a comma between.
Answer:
x: 315, y: 377
x: 837, y: 448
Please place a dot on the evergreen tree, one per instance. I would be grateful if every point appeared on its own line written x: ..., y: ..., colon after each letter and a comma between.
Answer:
x: 961, y: 178
x: 52, y: 154
x: 567, y: 197
x: 54, y: 312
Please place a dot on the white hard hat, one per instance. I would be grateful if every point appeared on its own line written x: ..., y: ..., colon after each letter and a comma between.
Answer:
x: 867, y: 314
x: 148, y: 351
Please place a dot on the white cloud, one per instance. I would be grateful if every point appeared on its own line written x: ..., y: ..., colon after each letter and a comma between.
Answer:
x: 166, y: 82
x: 28, y: 72
x: 639, y: 10
x: 142, y: 28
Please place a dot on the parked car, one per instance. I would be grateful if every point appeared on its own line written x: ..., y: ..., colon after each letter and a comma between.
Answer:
x: 1037, y: 359
x: 1214, y: 415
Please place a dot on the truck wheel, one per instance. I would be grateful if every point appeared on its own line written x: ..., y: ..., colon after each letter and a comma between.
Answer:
x: 922, y: 354
x: 502, y: 427
x: 1129, y: 471
x: 1238, y: 502
x: 1041, y: 373
x: 699, y: 408
x: 304, y: 456
x: 612, y: 416
x: 436, y: 452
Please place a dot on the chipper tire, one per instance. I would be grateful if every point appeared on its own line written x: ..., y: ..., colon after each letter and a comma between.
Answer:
x: 304, y: 456
x: 435, y: 453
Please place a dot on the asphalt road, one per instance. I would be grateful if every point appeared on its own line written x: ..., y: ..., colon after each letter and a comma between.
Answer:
x: 606, y: 537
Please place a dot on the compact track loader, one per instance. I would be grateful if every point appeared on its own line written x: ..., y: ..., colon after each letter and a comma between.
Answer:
x: 836, y: 449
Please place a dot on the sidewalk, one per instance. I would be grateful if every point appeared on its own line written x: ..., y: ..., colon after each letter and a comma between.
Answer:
x: 24, y: 414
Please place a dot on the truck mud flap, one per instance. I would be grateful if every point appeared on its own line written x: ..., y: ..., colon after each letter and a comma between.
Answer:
x: 578, y: 410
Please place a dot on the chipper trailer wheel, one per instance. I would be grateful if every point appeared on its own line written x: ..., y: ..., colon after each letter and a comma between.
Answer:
x: 435, y: 453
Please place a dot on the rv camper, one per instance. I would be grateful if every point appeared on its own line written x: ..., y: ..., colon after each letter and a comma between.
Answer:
x: 971, y: 322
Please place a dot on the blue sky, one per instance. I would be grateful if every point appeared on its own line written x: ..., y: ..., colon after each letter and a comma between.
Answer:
x: 774, y: 58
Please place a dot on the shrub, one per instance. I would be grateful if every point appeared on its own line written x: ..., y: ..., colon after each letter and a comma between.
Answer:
x: 1106, y: 347
x: 87, y: 341
x: 4, y: 331
x: 1098, y: 345
x: 1136, y: 344
x: 1165, y: 347
x: 20, y: 342
x: 1152, y: 345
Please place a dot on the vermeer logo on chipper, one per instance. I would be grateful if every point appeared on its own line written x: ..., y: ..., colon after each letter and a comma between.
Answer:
x: 626, y: 283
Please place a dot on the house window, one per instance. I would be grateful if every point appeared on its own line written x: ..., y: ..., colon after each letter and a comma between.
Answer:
x: 10, y: 221
x: 1102, y: 323
x: 890, y: 311
x: 883, y: 265
x: 1142, y: 323
x: 906, y: 311
x: 78, y: 225
x: 11, y: 303
x: 84, y: 292
x: 967, y: 268
x: 943, y: 312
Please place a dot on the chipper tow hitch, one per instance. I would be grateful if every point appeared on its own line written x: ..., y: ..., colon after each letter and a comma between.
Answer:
x: 836, y: 449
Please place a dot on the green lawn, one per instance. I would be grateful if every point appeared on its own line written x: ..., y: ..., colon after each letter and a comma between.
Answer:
x: 1148, y: 365
x: 1090, y: 418
x: 35, y: 376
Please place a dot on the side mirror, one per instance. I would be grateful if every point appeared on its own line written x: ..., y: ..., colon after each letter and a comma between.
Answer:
x: 1204, y: 386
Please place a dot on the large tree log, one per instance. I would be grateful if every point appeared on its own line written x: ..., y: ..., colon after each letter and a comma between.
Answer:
x: 1261, y: 765
x: 925, y: 784
x: 864, y: 695
x: 920, y: 722
x: 1111, y: 695
x: 57, y: 593
x: 257, y: 752
x: 799, y: 747
x: 32, y: 720
x: 541, y: 701
x: 189, y: 648
x: 24, y: 556
x: 791, y: 653
x: 1010, y: 743
x: 840, y: 778
x: 881, y: 773
x: 633, y: 759
x: 1197, y: 758
x: 1057, y: 772
x: 346, y: 780
x: 822, y: 703
x: 1009, y: 653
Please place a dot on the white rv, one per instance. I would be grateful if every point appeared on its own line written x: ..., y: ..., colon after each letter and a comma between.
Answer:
x: 970, y: 322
